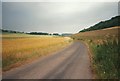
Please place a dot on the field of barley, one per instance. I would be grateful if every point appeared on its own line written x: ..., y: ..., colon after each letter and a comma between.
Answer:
x: 104, y: 51
x: 18, y: 49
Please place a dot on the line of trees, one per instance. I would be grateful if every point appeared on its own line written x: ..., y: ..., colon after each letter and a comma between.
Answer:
x: 38, y: 33
x: 10, y: 31
x: 31, y: 33
x: 43, y: 33
x: 114, y: 21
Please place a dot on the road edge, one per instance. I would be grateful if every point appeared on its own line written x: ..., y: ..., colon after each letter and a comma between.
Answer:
x: 90, y: 54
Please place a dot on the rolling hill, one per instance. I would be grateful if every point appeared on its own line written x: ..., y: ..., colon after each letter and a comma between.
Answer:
x: 114, y: 21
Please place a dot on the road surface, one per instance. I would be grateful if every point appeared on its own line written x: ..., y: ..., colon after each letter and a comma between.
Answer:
x: 70, y: 63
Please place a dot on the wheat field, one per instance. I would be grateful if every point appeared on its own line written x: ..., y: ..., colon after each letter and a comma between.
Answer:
x: 18, y: 50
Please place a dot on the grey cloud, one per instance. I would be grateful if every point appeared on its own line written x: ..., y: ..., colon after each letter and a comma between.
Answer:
x: 55, y: 16
x: 0, y: 14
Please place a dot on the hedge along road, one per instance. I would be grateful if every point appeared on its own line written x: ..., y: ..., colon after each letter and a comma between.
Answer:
x: 70, y: 63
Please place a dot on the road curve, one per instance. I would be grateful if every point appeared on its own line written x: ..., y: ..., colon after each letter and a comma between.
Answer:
x: 70, y: 63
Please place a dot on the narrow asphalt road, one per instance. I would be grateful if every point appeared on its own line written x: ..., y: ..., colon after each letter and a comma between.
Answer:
x: 70, y: 63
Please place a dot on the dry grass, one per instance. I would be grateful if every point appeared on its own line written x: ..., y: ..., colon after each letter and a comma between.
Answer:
x: 108, y: 32
x: 15, y: 50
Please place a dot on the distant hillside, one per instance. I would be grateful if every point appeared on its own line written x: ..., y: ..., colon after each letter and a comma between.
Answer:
x: 104, y: 24
x: 67, y: 34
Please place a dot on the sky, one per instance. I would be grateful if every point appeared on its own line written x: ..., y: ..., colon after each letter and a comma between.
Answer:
x: 0, y: 15
x: 51, y: 17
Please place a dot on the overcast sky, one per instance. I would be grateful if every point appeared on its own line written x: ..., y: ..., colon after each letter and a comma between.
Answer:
x: 55, y: 16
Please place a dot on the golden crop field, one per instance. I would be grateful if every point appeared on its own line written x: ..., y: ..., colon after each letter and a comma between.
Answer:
x: 103, y: 32
x: 18, y: 50
x: 99, y: 35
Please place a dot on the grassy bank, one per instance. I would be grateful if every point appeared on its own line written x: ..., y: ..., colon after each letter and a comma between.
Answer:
x: 22, y: 49
x: 104, y: 46
x: 106, y: 59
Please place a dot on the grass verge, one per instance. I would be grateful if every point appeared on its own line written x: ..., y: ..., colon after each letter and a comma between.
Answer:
x: 106, y: 60
x: 105, y: 54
